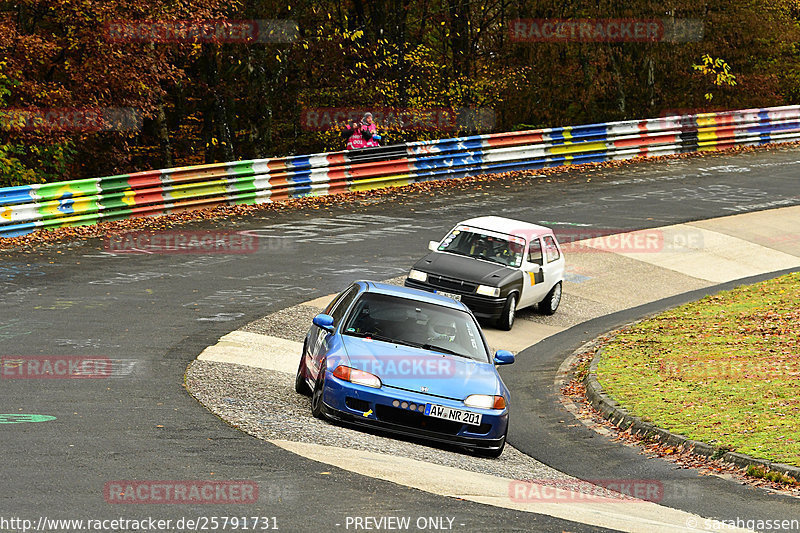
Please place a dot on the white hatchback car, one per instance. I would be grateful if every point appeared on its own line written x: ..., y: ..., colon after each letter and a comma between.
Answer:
x: 495, y: 266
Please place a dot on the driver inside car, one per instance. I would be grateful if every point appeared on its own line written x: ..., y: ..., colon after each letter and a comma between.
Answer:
x: 511, y: 254
x: 442, y: 331
x: 365, y: 323
x: 480, y: 247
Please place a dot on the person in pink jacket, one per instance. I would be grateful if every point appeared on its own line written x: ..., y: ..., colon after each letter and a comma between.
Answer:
x: 372, y: 128
x: 363, y: 135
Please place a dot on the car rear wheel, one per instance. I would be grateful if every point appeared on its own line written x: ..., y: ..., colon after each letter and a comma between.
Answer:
x: 506, y: 320
x: 316, y: 397
x: 300, y: 385
x: 550, y: 303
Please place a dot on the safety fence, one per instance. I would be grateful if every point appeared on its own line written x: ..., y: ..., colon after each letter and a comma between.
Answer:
x: 70, y: 203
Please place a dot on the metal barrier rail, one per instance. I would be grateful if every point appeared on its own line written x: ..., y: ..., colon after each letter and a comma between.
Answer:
x: 69, y: 203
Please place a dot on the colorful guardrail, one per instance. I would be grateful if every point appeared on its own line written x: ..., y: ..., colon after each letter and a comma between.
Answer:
x: 80, y: 202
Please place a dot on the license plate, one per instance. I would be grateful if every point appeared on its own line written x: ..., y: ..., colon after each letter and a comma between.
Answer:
x: 456, y: 415
x: 456, y: 297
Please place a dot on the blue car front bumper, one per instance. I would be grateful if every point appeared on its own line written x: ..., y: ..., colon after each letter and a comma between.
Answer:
x: 367, y: 406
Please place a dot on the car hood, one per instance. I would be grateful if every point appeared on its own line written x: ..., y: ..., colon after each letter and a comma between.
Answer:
x: 414, y: 369
x: 465, y: 268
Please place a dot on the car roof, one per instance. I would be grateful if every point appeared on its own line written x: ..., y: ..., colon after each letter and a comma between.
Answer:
x: 509, y: 226
x: 413, y: 294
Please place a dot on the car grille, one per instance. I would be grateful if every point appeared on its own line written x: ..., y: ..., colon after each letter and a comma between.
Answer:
x: 452, y: 284
x: 356, y: 404
x: 483, y: 429
x: 412, y: 419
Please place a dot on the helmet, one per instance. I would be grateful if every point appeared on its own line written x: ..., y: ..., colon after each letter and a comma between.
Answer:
x: 442, y: 329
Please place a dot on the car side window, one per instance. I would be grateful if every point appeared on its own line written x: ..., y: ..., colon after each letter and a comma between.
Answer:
x: 333, y: 303
x: 551, y: 249
x: 535, y: 252
x: 339, y: 308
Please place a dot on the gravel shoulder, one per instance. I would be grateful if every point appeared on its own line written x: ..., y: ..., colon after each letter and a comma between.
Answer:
x: 264, y: 404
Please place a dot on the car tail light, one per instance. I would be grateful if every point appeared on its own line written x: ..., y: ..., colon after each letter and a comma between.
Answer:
x: 359, y: 377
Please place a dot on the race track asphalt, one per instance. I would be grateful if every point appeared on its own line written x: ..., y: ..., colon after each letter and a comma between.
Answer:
x: 153, y: 314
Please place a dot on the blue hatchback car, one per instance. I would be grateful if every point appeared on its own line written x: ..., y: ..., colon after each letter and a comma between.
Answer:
x: 407, y: 361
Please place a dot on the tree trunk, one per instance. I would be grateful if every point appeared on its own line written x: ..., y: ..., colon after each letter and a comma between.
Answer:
x: 162, y: 134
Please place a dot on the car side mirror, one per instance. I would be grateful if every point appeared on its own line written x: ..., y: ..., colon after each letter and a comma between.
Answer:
x: 503, y: 357
x: 433, y: 245
x: 324, y: 321
x: 535, y: 268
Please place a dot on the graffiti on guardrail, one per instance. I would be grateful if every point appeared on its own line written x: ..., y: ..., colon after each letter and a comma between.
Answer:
x: 151, y: 193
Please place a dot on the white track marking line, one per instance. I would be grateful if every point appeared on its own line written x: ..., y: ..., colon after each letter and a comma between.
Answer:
x: 623, y: 515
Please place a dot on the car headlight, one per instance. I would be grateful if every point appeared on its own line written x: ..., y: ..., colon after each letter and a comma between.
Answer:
x: 359, y: 377
x: 418, y: 275
x: 488, y: 291
x: 484, y: 401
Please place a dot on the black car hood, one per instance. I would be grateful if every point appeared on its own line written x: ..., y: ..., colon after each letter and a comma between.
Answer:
x: 465, y: 268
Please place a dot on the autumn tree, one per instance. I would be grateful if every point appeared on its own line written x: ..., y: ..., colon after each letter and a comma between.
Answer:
x: 209, y: 100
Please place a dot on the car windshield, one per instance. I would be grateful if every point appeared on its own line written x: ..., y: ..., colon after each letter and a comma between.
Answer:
x: 484, y: 245
x: 419, y: 324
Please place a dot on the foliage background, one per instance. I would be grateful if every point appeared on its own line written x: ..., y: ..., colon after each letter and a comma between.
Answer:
x: 209, y: 102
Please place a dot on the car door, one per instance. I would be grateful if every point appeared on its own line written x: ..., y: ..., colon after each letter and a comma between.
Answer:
x: 534, y: 288
x: 319, y: 338
x: 553, y: 264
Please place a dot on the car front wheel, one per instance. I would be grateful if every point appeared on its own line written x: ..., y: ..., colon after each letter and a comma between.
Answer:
x: 506, y: 320
x: 300, y: 385
x: 550, y: 303
x: 316, y: 397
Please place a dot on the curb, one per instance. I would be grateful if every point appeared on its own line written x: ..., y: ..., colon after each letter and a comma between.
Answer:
x: 623, y: 419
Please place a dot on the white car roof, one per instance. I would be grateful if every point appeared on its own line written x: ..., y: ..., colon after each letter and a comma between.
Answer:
x: 508, y: 226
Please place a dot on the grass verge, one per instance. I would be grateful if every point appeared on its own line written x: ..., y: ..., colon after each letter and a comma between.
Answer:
x: 723, y: 370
